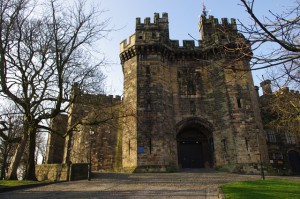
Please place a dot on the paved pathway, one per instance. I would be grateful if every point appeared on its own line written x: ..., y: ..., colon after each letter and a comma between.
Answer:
x: 189, y: 184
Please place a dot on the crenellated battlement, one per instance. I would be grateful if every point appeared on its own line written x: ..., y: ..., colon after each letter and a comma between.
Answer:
x: 157, y: 20
x: 211, y: 28
x: 94, y: 99
x: 160, y: 24
x: 153, y: 36
x: 148, y: 31
x: 214, y: 22
x: 186, y: 44
x: 126, y: 44
x: 267, y: 89
x: 99, y: 99
x: 286, y: 90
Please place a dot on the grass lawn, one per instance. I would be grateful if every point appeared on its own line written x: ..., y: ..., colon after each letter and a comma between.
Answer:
x: 262, y: 189
x: 12, y: 183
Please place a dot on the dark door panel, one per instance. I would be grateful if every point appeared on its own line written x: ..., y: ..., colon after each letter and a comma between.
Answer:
x: 191, y: 155
x: 294, y: 159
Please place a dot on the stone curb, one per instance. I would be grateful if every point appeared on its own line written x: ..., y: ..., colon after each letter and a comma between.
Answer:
x: 14, y: 188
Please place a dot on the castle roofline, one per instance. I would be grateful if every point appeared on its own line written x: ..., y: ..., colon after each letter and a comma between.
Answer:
x: 154, y: 36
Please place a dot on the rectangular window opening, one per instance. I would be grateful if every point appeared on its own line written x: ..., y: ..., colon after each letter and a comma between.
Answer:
x: 147, y: 70
x: 150, y: 145
x: 239, y: 102
x: 224, y: 145
x: 129, y: 146
x: 247, y: 144
x: 192, y: 107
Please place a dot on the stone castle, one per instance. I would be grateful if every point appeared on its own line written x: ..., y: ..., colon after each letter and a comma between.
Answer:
x: 189, y: 106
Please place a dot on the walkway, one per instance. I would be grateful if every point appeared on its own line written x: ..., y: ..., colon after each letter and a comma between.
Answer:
x: 189, y: 184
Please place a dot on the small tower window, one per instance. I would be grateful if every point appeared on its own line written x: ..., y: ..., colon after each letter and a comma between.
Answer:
x: 150, y: 145
x: 192, y: 107
x: 178, y: 75
x: 247, y: 144
x: 239, y: 102
x: 224, y: 145
x: 191, y: 88
x: 147, y: 70
x: 148, y: 108
x: 140, y: 36
x: 129, y: 147
x: 233, y: 68
x: 153, y: 35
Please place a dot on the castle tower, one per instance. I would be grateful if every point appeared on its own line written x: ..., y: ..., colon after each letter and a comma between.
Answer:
x: 55, y: 142
x: 194, y: 106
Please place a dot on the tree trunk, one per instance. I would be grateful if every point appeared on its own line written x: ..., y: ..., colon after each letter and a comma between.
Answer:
x: 30, y: 167
x: 15, y: 162
x: 4, y: 163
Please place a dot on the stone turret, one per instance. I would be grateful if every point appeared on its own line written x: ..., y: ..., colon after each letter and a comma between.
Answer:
x: 211, y: 29
x: 266, y: 87
x: 147, y: 31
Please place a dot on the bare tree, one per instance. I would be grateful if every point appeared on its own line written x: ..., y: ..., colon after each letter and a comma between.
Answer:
x: 280, y: 111
x: 279, y: 31
x: 10, y: 135
x: 44, y: 49
x: 280, y: 34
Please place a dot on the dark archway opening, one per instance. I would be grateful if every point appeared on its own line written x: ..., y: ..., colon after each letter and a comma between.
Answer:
x: 294, y: 160
x: 195, y: 147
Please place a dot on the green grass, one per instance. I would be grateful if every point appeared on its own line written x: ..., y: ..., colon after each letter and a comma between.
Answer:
x: 262, y: 189
x: 12, y: 183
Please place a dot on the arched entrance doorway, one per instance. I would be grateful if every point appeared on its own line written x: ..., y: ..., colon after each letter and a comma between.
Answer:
x: 195, y: 144
x: 294, y: 160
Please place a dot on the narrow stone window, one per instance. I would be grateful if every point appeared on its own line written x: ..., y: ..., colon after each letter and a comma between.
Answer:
x: 191, y: 88
x: 233, y: 69
x: 141, y: 57
x: 192, y: 107
x: 153, y: 35
x: 272, y: 156
x: 150, y: 145
x: 178, y: 74
x: 148, y: 108
x: 129, y: 146
x: 224, y: 145
x: 147, y: 70
x: 140, y: 36
x: 247, y: 144
x: 239, y: 102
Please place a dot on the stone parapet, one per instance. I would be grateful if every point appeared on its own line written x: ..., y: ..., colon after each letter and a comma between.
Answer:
x: 219, y: 40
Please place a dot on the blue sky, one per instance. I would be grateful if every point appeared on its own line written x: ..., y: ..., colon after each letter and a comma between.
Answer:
x: 183, y: 20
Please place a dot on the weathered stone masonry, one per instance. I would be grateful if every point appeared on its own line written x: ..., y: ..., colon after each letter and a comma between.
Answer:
x: 169, y: 84
x: 191, y: 106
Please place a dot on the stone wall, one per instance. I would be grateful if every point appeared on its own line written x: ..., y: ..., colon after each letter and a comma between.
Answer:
x: 52, y: 172
x: 95, y: 136
x: 61, y: 172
